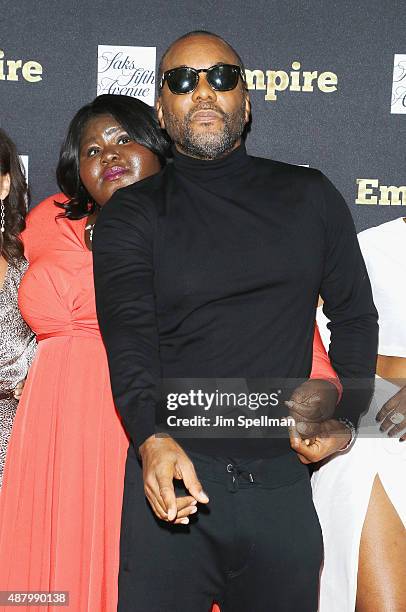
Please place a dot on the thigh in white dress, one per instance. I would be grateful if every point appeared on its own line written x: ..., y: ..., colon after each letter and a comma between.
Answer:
x: 341, y: 492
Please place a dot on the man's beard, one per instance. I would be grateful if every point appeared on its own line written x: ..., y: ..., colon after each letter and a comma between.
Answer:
x: 206, y: 144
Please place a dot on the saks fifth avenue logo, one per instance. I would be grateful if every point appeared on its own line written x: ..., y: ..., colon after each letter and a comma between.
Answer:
x: 370, y: 191
x: 15, y: 69
x: 398, y: 104
x: 24, y: 165
x: 274, y: 82
x: 127, y: 71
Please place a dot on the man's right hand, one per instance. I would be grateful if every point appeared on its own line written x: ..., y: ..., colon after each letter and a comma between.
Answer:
x: 162, y: 461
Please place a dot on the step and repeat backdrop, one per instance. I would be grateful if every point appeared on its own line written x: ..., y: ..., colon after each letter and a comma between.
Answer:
x: 327, y: 80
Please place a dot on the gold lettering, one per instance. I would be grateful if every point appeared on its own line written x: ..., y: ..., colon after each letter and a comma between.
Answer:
x: 276, y: 80
x: 365, y: 192
x: 308, y: 78
x: 9, y: 69
x: 12, y: 67
x: 2, y: 75
x: 294, y: 78
x: 395, y: 196
x: 32, y: 72
x: 327, y: 82
x: 255, y: 79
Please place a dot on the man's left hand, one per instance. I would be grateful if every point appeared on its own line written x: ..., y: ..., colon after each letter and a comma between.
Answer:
x: 311, y: 404
x: 334, y: 436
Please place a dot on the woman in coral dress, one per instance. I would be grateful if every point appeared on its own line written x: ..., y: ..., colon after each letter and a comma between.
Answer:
x: 60, y: 507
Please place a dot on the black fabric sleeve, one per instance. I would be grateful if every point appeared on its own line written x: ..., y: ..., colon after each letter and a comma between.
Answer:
x: 123, y: 273
x: 348, y: 304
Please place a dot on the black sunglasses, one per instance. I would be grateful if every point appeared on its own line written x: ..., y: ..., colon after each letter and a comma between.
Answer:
x: 184, y: 80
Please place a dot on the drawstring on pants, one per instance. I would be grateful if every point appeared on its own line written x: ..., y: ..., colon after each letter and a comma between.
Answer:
x: 236, y: 475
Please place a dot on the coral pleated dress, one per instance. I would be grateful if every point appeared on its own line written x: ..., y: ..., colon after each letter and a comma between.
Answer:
x: 60, y: 506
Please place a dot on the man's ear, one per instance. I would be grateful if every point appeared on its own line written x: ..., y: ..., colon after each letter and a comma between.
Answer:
x: 247, y: 107
x: 5, y: 184
x: 160, y: 113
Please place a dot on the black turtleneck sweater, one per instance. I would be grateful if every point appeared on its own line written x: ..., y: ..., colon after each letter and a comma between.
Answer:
x: 212, y: 269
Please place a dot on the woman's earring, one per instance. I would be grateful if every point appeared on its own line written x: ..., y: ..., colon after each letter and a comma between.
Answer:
x: 2, y: 217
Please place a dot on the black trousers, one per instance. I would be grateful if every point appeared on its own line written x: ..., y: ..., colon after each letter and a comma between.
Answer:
x: 256, y: 547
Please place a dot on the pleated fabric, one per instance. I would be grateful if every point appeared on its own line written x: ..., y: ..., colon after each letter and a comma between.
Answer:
x: 60, y: 506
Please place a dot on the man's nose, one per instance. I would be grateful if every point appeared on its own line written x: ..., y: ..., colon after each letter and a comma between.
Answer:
x: 203, y: 90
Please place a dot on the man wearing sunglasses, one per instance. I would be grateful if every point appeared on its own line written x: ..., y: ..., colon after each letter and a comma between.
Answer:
x: 211, y: 270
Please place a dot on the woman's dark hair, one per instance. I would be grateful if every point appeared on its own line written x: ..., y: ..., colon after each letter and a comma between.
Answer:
x: 135, y: 117
x: 15, y: 204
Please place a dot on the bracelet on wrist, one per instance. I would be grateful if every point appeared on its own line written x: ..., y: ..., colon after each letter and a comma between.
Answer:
x: 353, y: 431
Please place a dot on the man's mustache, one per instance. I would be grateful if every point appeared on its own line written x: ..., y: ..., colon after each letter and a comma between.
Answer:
x: 204, y: 107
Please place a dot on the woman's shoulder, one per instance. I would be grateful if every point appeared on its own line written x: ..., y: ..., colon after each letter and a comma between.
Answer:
x: 46, y: 210
x: 41, y: 224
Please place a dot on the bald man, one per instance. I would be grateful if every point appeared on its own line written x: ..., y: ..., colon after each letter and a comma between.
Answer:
x: 212, y: 270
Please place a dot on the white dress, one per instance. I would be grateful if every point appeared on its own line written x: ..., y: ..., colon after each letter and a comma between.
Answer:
x: 342, y: 486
